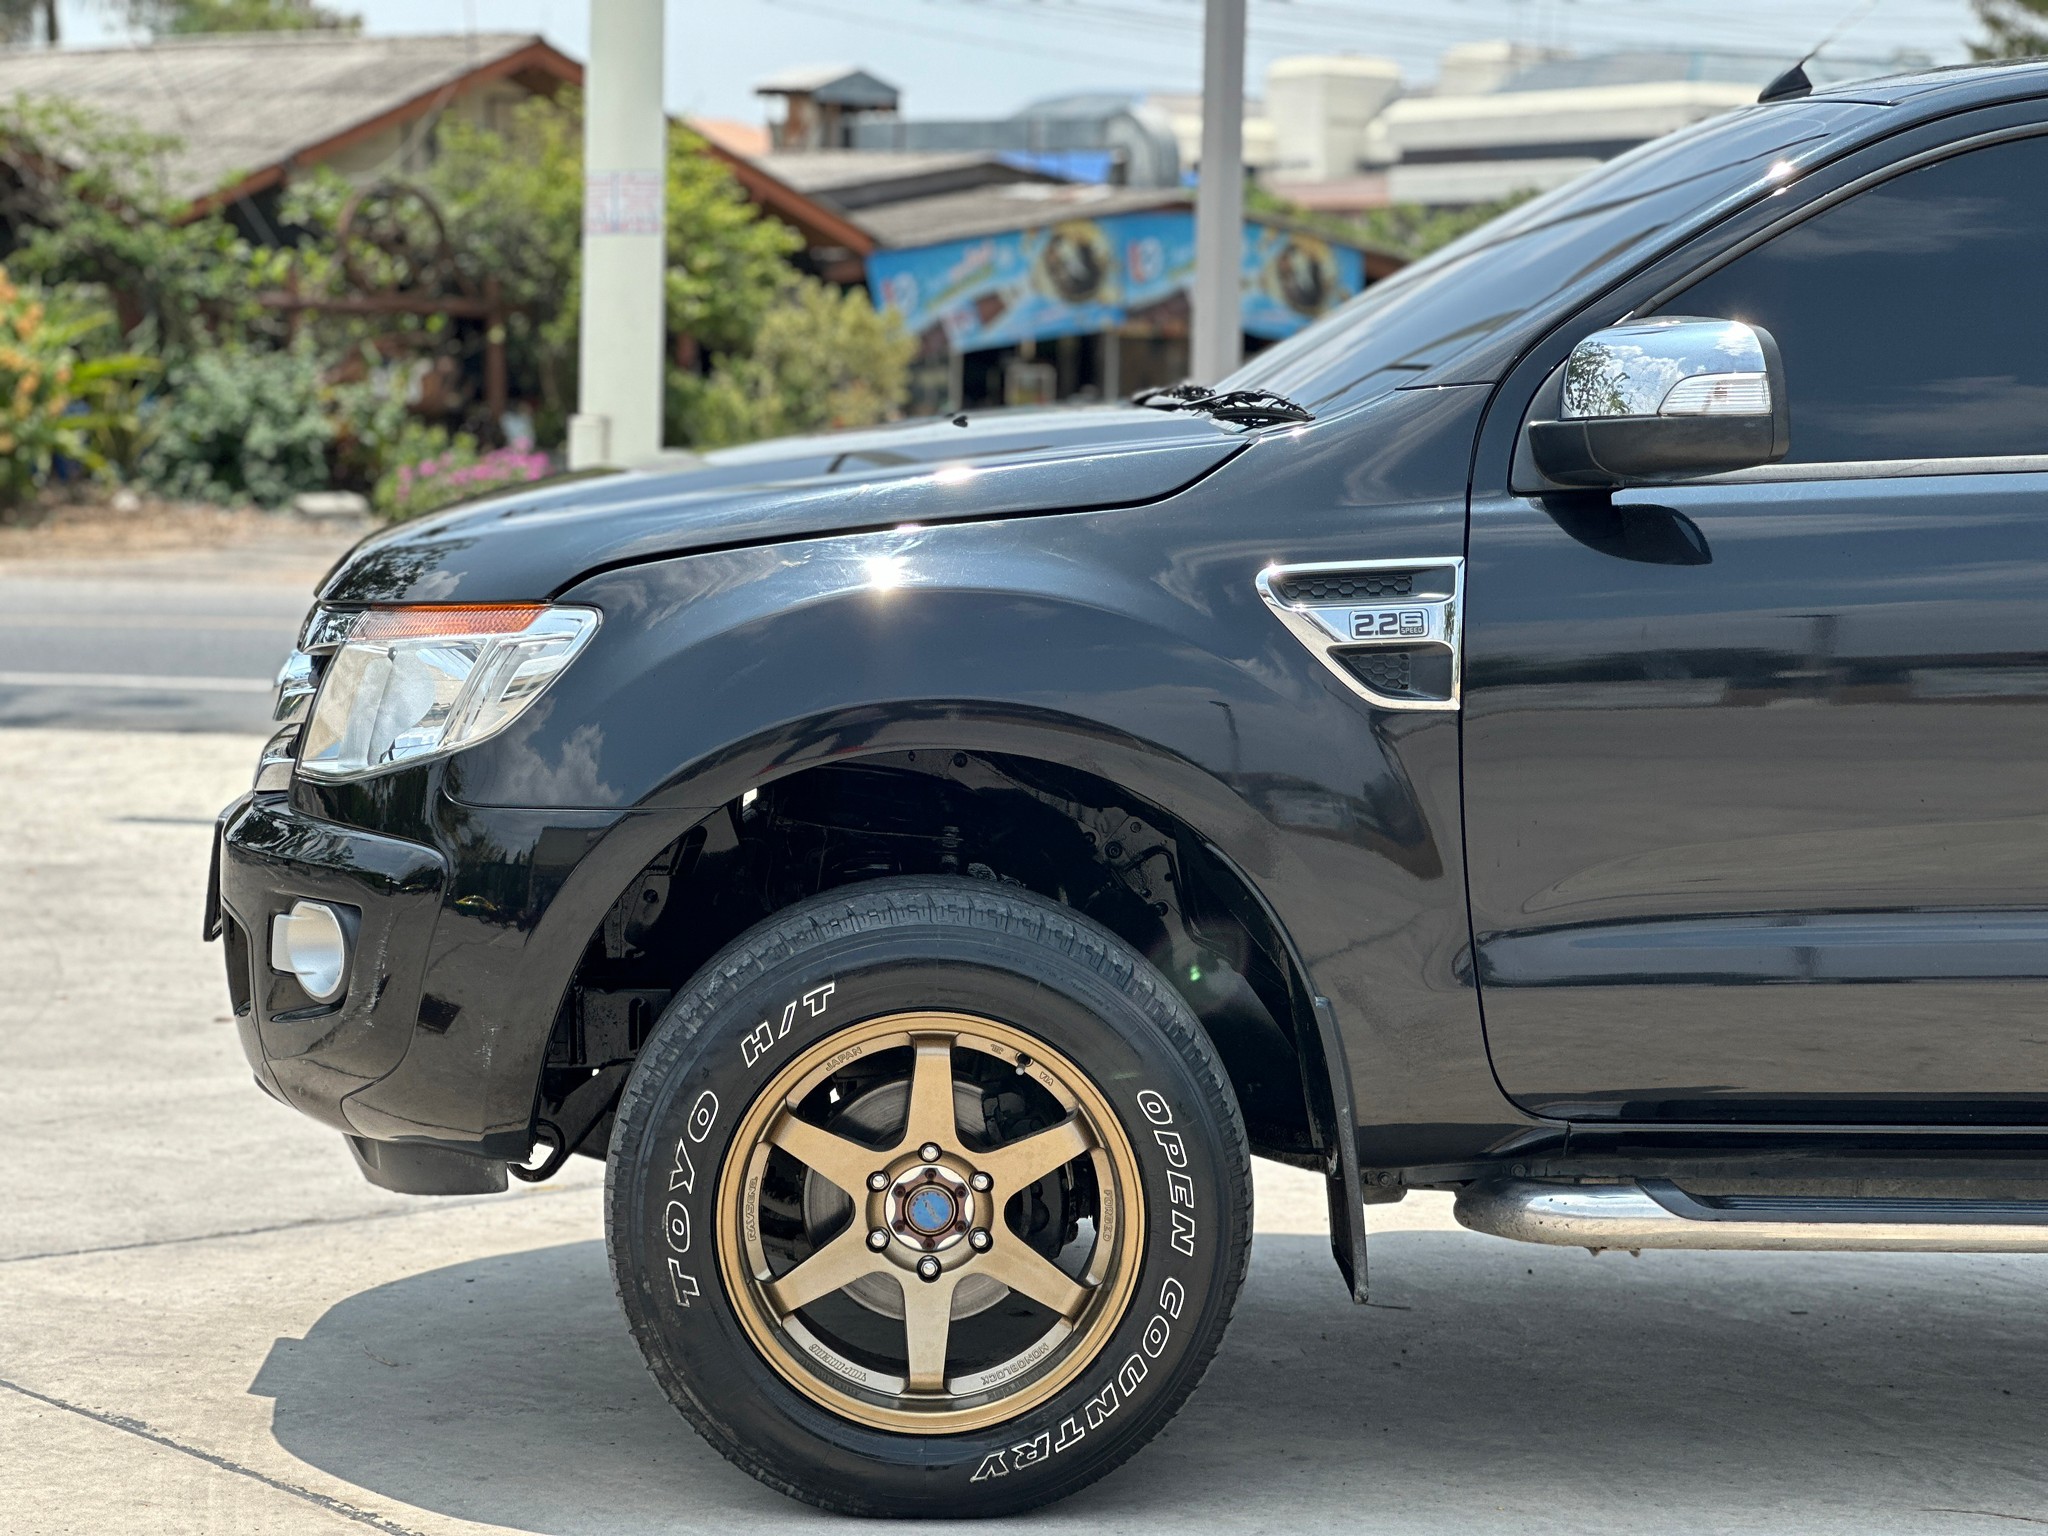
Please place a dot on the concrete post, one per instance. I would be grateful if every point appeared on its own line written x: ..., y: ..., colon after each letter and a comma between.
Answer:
x: 625, y: 155
x: 1219, y: 203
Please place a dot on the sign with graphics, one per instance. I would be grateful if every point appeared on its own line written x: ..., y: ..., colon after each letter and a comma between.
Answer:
x: 1129, y: 271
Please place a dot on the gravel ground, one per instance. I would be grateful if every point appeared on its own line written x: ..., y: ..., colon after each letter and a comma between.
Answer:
x: 94, y: 534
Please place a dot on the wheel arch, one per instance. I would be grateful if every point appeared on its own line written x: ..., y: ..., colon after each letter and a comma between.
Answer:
x: 1191, y: 895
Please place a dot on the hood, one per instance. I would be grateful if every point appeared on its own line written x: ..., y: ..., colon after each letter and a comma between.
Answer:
x: 535, y: 542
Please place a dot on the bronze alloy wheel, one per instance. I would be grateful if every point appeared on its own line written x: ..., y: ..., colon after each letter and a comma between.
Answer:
x: 929, y: 1222
x: 930, y: 1197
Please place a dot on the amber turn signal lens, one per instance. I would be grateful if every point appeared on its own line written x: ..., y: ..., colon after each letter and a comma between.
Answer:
x: 421, y: 620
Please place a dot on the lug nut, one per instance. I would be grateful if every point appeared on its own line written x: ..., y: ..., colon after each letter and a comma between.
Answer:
x: 878, y: 1181
x: 979, y: 1240
x: 929, y: 1151
x: 927, y: 1268
x: 980, y: 1182
x: 878, y: 1239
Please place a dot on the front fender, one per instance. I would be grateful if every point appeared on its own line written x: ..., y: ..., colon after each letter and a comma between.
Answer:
x: 716, y: 673
x: 1130, y: 644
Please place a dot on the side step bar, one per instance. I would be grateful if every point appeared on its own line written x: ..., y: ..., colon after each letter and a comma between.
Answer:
x: 1655, y: 1213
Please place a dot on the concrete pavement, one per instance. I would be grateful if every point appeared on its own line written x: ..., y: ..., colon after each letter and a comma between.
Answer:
x: 209, y: 1323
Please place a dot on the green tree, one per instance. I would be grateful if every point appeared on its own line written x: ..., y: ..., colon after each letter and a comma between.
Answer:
x: 1414, y: 231
x: 176, y: 18
x: 513, y: 201
x: 1409, y: 230
x: 822, y: 358
x: 80, y: 202
x: 728, y: 263
x: 2013, y: 29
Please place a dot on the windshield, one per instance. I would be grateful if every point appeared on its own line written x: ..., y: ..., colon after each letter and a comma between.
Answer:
x: 1429, y: 313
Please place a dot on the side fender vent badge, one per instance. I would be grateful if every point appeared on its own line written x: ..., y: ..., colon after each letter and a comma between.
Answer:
x: 1390, y: 630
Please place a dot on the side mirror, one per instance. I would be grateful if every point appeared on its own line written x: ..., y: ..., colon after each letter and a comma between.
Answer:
x: 1664, y: 399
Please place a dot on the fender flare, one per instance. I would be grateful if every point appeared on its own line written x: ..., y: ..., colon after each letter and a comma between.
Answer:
x: 1208, y: 808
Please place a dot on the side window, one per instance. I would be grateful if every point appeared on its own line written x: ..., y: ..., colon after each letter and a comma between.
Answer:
x: 1913, y: 317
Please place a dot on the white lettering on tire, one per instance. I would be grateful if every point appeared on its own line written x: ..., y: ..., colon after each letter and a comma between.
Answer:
x: 1173, y: 1295
x: 675, y: 1218
x: 1133, y: 1372
x: 1101, y: 1405
x: 1157, y: 1333
x: 1032, y: 1451
x: 764, y: 1035
x: 685, y: 1286
x: 703, y: 1114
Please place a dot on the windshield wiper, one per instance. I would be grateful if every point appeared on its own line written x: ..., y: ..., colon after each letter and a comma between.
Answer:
x: 1243, y: 407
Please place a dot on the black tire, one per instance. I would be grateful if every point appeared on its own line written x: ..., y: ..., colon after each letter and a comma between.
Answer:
x: 888, y: 947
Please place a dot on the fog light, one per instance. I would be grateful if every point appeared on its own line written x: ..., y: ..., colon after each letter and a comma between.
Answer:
x: 308, y: 942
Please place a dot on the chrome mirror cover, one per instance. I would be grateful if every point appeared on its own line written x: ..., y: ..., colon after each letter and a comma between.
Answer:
x: 1653, y: 401
x: 1668, y: 367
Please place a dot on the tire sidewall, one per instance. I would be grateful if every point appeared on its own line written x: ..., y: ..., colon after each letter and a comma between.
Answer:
x: 721, y: 1042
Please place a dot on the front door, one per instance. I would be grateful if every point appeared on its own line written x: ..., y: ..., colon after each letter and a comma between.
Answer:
x: 1757, y: 770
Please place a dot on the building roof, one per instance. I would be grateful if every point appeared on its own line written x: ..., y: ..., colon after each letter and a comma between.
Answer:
x: 855, y: 179
x: 730, y: 133
x: 247, y: 107
x: 1473, y: 126
x: 1645, y: 66
x: 998, y: 209
x: 842, y: 85
x: 1340, y: 194
x: 825, y: 171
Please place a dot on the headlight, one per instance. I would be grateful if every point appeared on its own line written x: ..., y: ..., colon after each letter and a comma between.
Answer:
x: 410, y: 683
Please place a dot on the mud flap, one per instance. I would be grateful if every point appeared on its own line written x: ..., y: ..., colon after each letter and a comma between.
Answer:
x: 1342, y: 1182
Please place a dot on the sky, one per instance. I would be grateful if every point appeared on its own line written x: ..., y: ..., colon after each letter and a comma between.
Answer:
x: 983, y: 58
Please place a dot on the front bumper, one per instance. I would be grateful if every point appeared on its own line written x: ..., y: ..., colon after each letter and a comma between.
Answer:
x: 310, y: 1054
x: 464, y: 937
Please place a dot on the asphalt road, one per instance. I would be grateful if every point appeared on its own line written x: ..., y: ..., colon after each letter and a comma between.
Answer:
x: 210, y: 1324
x: 183, y: 642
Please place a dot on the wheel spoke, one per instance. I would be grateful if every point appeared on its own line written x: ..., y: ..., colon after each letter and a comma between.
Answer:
x: 931, y: 1115
x: 1022, y: 1163
x: 927, y: 1325
x: 1019, y: 1266
x: 846, y: 1163
x: 836, y: 1265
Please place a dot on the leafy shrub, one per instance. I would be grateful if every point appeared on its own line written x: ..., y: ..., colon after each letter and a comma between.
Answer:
x: 237, y: 425
x: 822, y: 358
x: 375, y: 432
x: 453, y: 472
x: 54, y: 403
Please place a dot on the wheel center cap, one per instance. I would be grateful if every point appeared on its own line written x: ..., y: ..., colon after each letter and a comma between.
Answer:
x: 930, y: 1207
x: 929, y: 1210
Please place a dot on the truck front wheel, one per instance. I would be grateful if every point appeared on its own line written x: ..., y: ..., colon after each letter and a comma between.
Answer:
x: 928, y: 1197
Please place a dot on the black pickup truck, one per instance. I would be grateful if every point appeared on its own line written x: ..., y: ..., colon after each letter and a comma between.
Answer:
x: 1570, y: 729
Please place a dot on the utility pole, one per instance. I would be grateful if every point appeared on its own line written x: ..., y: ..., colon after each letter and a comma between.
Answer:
x: 625, y: 159
x: 1219, y: 200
